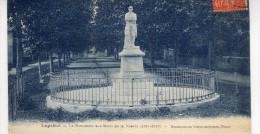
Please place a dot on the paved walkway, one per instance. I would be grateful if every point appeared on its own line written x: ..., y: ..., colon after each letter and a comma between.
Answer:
x: 94, y: 63
x: 105, y: 62
x: 30, y: 66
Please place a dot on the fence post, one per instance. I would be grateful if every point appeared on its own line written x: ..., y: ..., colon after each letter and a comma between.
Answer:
x: 14, y: 102
x: 85, y: 96
x: 203, y: 81
x: 157, y: 95
x: 132, y: 92
x: 92, y: 102
x: 203, y: 85
x: 106, y: 74
x: 216, y: 78
x: 118, y: 83
x: 237, y: 91
x: 68, y: 73
x: 212, y: 82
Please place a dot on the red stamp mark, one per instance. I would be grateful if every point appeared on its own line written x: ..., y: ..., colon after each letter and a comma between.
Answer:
x: 229, y: 5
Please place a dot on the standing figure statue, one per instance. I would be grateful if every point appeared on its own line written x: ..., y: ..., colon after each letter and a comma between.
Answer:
x: 130, y: 28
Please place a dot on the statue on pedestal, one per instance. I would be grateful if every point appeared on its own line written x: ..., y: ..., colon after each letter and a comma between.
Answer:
x: 130, y: 28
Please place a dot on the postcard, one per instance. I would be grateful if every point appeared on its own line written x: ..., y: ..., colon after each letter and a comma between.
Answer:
x: 135, y: 66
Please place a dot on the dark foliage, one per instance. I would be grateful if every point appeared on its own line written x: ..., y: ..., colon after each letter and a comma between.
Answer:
x: 186, y: 25
x: 25, y: 102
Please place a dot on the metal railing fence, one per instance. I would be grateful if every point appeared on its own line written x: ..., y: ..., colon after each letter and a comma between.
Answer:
x: 161, y: 86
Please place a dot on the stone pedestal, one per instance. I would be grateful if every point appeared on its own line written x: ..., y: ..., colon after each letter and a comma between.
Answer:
x: 131, y: 62
x: 132, y: 84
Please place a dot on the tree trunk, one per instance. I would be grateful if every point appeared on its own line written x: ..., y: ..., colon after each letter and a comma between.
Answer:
x: 19, y: 76
x: 32, y: 58
x: 68, y: 56
x: 64, y: 59
x: 209, y: 56
x: 176, y: 56
x: 19, y: 67
x: 152, y: 60
x: 59, y: 60
x: 151, y: 55
x: 40, y: 68
x: 51, y: 62
x: 46, y: 56
x: 212, y: 57
x: 14, y: 49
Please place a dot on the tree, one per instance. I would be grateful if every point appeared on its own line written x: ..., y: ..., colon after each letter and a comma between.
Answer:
x: 15, y: 20
x: 57, y: 26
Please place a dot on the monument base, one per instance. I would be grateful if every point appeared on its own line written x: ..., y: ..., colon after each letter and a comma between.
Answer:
x: 131, y: 62
x: 132, y: 84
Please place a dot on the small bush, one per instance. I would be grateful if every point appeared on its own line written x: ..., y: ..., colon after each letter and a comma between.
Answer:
x: 60, y: 114
x: 164, y: 110
x: 109, y: 116
x: 94, y: 113
x: 161, y: 111
x: 55, y: 114
x: 25, y: 102
x: 133, y: 113
x: 143, y: 102
x: 145, y: 113
x: 120, y: 114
